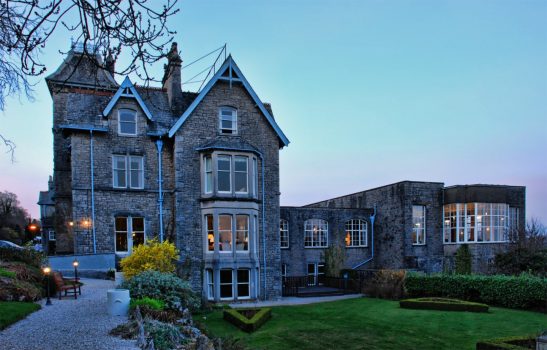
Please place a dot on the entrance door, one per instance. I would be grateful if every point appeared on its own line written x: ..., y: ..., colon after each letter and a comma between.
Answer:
x: 316, y: 274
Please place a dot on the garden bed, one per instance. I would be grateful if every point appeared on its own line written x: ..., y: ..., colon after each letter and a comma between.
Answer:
x: 443, y: 304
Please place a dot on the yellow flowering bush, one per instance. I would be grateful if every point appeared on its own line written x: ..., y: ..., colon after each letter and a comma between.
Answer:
x: 150, y: 256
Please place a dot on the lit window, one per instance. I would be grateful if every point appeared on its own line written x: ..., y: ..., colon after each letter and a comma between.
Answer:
x: 123, y: 226
x: 226, y: 287
x: 243, y: 278
x: 228, y: 120
x: 127, y: 122
x: 356, y: 233
x: 418, y: 224
x: 225, y: 233
x: 315, y: 233
x: 122, y: 177
x: 284, y: 233
x: 242, y: 232
x: 476, y: 222
x: 210, y: 233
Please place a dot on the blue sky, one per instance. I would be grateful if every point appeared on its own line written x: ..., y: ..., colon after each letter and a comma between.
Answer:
x: 368, y: 92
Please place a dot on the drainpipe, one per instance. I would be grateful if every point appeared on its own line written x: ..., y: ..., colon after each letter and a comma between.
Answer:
x: 92, y: 191
x: 372, y: 218
x: 159, y: 146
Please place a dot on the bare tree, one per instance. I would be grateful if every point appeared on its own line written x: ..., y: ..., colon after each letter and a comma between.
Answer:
x: 103, y: 27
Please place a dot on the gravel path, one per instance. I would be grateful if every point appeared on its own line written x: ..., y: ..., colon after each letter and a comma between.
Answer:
x: 69, y: 324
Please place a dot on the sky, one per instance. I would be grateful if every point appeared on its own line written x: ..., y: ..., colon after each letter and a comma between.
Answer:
x: 368, y: 92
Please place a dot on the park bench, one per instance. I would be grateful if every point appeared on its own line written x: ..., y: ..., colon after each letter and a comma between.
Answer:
x: 67, y: 285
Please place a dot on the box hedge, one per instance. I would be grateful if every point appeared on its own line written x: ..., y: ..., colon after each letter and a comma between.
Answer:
x: 509, y: 343
x: 235, y: 317
x: 522, y: 292
x: 443, y: 304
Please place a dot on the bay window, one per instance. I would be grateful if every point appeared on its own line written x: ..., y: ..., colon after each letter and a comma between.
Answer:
x: 229, y: 232
x: 230, y: 175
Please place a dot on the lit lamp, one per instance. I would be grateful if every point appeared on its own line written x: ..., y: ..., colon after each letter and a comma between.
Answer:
x: 75, y: 263
x: 47, y: 270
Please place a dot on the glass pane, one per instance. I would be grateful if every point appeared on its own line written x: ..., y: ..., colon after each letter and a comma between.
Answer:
x: 224, y: 163
x: 210, y: 233
x: 225, y: 232
x: 224, y: 181
x: 242, y: 233
x: 121, y: 241
x: 119, y: 178
x: 241, y: 164
x: 138, y: 238
x: 138, y: 224
x: 243, y: 290
x: 121, y: 224
x: 242, y: 276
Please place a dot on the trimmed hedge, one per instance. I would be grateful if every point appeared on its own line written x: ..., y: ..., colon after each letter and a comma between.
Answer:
x: 522, y: 292
x: 443, y: 304
x: 509, y: 343
x: 248, y: 325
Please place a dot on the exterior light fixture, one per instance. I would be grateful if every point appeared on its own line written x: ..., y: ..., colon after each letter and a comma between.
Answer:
x: 47, y: 270
x: 70, y: 223
x: 75, y: 263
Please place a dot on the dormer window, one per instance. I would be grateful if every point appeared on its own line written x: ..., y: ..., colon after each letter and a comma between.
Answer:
x: 228, y: 120
x: 127, y: 122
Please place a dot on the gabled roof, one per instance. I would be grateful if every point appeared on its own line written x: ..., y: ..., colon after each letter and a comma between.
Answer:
x: 229, y: 71
x: 127, y: 89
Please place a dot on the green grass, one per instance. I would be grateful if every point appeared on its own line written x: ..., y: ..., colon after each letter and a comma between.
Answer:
x: 366, y: 323
x: 13, y: 311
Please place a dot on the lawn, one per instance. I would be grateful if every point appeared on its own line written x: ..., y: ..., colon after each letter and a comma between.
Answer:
x: 376, y: 324
x: 13, y: 311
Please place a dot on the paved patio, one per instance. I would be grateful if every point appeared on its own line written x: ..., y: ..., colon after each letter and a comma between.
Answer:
x: 69, y: 324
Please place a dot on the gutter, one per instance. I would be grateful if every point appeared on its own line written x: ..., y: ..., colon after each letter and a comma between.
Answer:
x: 159, y: 146
x: 92, y: 191
x: 372, y: 219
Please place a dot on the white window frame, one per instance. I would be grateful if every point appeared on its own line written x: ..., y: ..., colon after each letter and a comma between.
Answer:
x: 232, y: 118
x: 419, y: 225
x: 284, y: 242
x: 284, y: 268
x: 208, y: 180
x: 361, y: 233
x: 218, y: 158
x: 210, y: 280
x: 246, y: 234
x: 238, y: 283
x: 134, y: 113
x: 494, y: 220
x: 51, y: 235
x: 128, y: 160
x: 218, y: 241
x: 246, y: 172
x: 129, y: 233
x: 310, y: 227
x: 220, y: 284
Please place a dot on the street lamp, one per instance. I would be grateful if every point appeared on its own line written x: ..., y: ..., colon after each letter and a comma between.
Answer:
x: 47, y: 270
x: 75, y: 263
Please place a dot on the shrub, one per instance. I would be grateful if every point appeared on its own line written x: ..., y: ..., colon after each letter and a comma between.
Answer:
x: 443, y: 304
x: 386, y: 284
x: 111, y: 274
x: 150, y: 256
x: 522, y: 292
x: 240, y: 319
x: 463, y: 260
x: 509, y: 343
x: 27, y: 256
x: 6, y: 273
x: 23, y: 271
x: 155, y: 304
x: 175, y: 292
x: 165, y: 335
x: 334, y: 258
x: 16, y: 290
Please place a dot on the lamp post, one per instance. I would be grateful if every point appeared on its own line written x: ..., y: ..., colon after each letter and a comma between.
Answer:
x: 75, y: 263
x: 47, y: 270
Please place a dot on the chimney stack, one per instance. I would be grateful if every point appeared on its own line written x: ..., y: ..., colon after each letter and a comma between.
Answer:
x: 172, y: 80
x: 110, y: 63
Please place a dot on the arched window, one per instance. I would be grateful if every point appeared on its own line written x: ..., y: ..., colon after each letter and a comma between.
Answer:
x: 356, y: 233
x: 284, y: 233
x: 316, y: 233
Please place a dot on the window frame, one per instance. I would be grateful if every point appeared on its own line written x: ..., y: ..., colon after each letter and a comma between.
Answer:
x: 229, y: 158
x: 237, y: 283
x: 419, y: 228
x: 210, y: 176
x: 246, y: 172
x: 362, y: 234
x: 323, y: 231
x: 233, y: 119
x: 51, y: 235
x: 220, y: 284
x: 128, y: 171
x: 129, y: 229
x: 210, y: 281
x: 284, y: 242
x: 134, y: 114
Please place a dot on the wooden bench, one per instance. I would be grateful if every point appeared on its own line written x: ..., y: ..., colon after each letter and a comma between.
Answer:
x: 66, y: 285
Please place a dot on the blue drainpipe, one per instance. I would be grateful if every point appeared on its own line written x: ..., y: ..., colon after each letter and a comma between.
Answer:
x: 159, y: 146
x: 92, y: 191
x: 372, y: 218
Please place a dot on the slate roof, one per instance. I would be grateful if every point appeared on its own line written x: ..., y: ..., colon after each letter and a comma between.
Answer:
x: 232, y: 145
x: 46, y: 198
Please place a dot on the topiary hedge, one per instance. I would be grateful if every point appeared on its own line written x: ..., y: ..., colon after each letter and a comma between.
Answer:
x: 443, y: 304
x: 522, y: 292
x: 237, y: 318
x: 509, y: 343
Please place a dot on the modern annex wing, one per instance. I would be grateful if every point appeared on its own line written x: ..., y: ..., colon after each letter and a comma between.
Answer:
x: 230, y: 72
